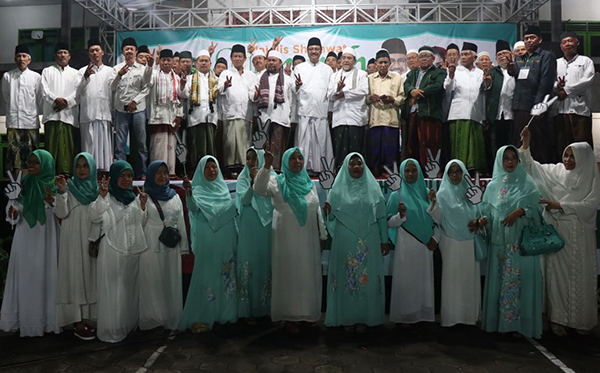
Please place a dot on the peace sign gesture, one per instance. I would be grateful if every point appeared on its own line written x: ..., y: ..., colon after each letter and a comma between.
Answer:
x: 61, y: 183
x: 104, y: 186
x: 48, y: 197
x: 288, y: 69
x: 150, y: 58
x: 276, y: 42
x: 260, y: 137
x: 212, y: 47
x: 432, y: 168
x: 252, y: 46
x: 89, y: 71
x: 394, y: 181
x: 474, y: 193
x: 341, y: 84
x: 326, y: 177
x: 14, y: 188
x: 227, y: 83
x: 143, y: 197
x: 298, y: 81
x: 256, y: 92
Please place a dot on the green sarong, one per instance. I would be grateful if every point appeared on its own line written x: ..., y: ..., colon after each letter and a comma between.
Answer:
x: 347, y: 139
x: 21, y: 143
x: 200, y: 142
x: 466, y: 138
x: 61, y: 142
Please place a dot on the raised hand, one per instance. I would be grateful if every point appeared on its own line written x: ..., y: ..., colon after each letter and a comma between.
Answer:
x: 89, y: 71
x: 276, y: 42
x: 61, y: 183
x: 104, y: 186
x: 260, y: 137
x: 298, y: 81
x: 341, y: 84
x: 180, y: 149
x: 182, y: 81
x: 227, y: 83
x: 402, y: 209
x: 326, y: 177
x: 451, y: 69
x: 251, y: 47
x: 256, y: 92
x: 143, y: 197
x: 268, y: 160
x: 253, y: 173
x: 124, y: 70
x: 187, y: 185
x: 431, y: 195
x: 212, y: 47
x: 48, y: 197
x: 14, y: 188
x: 394, y: 181
x: 474, y: 192
x: 288, y: 69
x: 432, y: 168
x: 150, y: 58
x: 542, y: 107
x: 487, y: 78
x: 561, y: 82
x: 525, y: 138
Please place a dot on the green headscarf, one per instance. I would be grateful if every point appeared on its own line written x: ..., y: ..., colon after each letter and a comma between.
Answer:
x: 418, y: 222
x: 355, y: 202
x: 295, y: 186
x: 32, y: 195
x: 262, y: 205
x: 458, y: 210
x: 125, y: 196
x: 84, y: 190
x: 212, y: 197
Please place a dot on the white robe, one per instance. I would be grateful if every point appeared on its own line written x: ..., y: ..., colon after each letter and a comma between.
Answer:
x: 296, y: 255
x: 461, y: 278
x: 118, y: 264
x: 161, y: 296
x: 413, y: 298
x: 76, y: 268
x: 29, y: 302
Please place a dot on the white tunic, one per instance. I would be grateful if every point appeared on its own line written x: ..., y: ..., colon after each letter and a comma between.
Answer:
x: 281, y: 114
x: 58, y: 82
x: 95, y: 95
x: 22, y: 93
x: 161, y: 295
x: 162, y: 113
x: 200, y: 113
x: 413, y: 298
x: 235, y: 100
x: 118, y: 265
x: 468, y: 100
x: 351, y: 110
x: 296, y: 255
x: 129, y: 87
x: 29, y: 302
x: 579, y: 76
x: 76, y: 268
x: 312, y: 94
x: 461, y: 278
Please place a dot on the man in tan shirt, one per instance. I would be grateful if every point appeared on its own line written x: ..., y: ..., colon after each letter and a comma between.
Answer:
x: 386, y: 96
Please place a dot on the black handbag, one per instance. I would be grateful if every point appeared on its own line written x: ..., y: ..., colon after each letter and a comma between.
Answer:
x: 169, y: 236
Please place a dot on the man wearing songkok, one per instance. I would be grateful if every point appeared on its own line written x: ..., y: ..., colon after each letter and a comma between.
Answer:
x: 235, y: 87
x: 311, y: 82
x: 500, y: 88
x: 220, y: 66
x: 22, y: 92
x: 452, y: 58
x: 273, y: 95
x: 467, y: 109
x: 339, y: 61
x: 201, y: 89
x: 165, y: 108
x: 143, y: 53
x: 519, y: 49
x: 298, y: 59
x: 386, y: 96
x: 130, y: 93
x: 412, y: 60
x: 348, y: 90
x: 95, y: 108
x: 535, y: 72
x: 185, y: 62
x: 175, y: 64
x: 61, y: 110
x: 574, y: 86
x: 424, y: 88
x: 371, y: 66
x: 331, y: 61
x: 397, y: 52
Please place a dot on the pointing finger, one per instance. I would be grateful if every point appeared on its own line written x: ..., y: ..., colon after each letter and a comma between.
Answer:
x: 331, y: 165
x: 324, y: 164
x: 387, y: 169
x: 429, y: 155
x: 468, y: 180
x: 438, y: 155
x: 477, y: 178
x: 10, y: 176
x: 396, y: 167
x: 19, y: 176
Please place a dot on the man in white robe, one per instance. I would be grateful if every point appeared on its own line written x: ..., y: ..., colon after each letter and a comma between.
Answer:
x: 311, y: 82
x: 94, y: 95
x: 348, y: 89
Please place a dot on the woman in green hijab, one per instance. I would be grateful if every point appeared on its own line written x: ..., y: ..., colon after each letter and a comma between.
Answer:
x: 512, y: 299
x: 296, y: 251
x: 76, y: 268
x: 254, y: 250
x: 29, y: 302
x: 412, y: 232
x: 212, y: 297
x: 357, y: 223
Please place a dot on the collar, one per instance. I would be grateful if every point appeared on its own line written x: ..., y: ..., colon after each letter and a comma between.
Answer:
x: 429, y: 68
x: 387, y: 76
x: 60, y: 68
x: 572, y: 59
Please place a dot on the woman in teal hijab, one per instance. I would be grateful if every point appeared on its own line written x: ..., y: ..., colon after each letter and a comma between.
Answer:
x: 254, y: 250
x: 296, y: 251
x: 76, y: 269
x: 357, y: 222
x: 413, y: 233
x: 512, y: 299
x: 461, y: 281
x: 213, y: 295
x: 29, y: 301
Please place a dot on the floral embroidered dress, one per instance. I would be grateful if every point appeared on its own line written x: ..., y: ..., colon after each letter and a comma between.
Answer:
x: 212, y: 296
x: 512, y: 299
x: 358, y: 225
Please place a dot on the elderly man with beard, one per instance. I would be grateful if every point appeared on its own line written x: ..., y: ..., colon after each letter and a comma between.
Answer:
x: 22, y: 92
x: 397, y: 51
x: 273, y: 94
x: 500, y: 89
x: 61, y: 110
x: 348, y: 90
x: 535, y: 72
x: 94, y: 96
x: 311, y: 82
x: 424, y: 88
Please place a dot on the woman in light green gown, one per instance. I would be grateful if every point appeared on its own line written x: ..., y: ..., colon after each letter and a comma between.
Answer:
x: 357, y: 221
x: 512, y: 299
x: 212, y: 296
x: 254, y: 250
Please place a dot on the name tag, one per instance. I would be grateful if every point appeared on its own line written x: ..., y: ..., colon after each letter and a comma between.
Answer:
x: 523, y: 73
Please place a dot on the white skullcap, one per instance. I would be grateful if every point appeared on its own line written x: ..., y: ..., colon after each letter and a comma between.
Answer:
x: 258, y: 52
x: 204, y: 52
x: 349, y: 50
x: 276, y: 54
x: 519, y: 44
x: 412, y: 51
x: 484, y: 53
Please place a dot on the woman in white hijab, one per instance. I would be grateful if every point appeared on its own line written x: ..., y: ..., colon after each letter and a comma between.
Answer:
x: 571, y: 193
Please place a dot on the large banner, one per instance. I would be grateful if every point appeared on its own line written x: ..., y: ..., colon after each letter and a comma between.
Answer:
x: 365, y: 39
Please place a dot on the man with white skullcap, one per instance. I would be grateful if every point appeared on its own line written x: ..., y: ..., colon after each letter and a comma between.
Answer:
x: 348, y: 89
x: 519, y: 48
